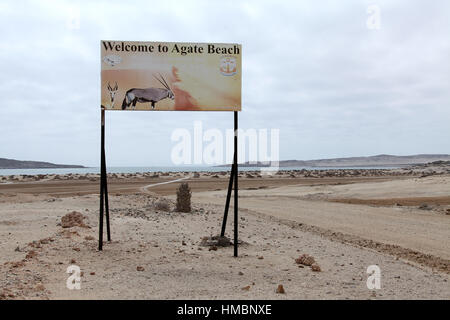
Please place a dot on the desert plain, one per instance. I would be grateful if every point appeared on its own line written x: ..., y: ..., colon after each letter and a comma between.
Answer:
x: 346, y: 219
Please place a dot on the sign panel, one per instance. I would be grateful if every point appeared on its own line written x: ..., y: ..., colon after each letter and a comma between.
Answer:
x: 170, y: 76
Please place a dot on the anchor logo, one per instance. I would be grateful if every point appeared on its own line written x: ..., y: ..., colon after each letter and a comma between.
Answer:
x: 228, y: 66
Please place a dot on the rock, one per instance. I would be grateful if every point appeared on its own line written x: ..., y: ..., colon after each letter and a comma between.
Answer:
x: 280, y: 289
x: 316, y: 268
x: 31, y: 254
x: 45, y: 241
x: 306, y: 260
x: 213, y: 248
x: 73, y: 219
x: 217, y: 241
x: 92, y: 273
x: 240, y: 273
x: 35, y: 244
x: 18, y: 264
x: 40, y: 287
x: 139, y: 268
x: 162, y: 205
x: 246, y: 288
x: 425, y: 206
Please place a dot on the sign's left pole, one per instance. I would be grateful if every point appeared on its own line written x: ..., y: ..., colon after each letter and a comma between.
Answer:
x: 105, y: 186
x: 102, y: 161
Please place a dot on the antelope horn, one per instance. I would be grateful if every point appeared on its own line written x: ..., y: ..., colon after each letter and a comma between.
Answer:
x: 161, y: 82
x: 116, y: 86
x: 167, y: 86
x: 109, y: 86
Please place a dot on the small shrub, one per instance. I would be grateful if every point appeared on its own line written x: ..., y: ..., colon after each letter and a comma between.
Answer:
x: 184, y: 198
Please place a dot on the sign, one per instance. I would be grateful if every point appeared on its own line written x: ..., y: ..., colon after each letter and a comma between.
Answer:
x: 170, y: 76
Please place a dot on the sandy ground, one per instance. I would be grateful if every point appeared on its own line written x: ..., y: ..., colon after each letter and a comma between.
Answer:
x: 426, y: 231
x: 280, y: 219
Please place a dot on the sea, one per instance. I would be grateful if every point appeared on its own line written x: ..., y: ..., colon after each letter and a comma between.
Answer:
x: 8, y: 172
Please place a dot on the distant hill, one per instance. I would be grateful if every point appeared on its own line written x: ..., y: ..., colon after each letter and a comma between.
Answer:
x: 382, y: 160
x: 17, y: 164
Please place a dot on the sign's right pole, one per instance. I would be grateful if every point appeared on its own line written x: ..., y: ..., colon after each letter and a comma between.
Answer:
x: 236, y: 183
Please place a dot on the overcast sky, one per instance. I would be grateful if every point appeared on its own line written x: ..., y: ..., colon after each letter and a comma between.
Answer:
x: 313, y: 69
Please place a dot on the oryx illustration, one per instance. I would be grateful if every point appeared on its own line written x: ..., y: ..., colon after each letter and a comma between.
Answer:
x: 112, y: 93
x: 152, y: 95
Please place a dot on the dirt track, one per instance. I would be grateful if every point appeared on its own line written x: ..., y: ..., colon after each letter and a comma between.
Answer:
x: 416, y: 201
x: 66, y: 188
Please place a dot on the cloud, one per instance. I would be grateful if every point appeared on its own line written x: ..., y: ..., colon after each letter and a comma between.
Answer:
x: 332, y: 86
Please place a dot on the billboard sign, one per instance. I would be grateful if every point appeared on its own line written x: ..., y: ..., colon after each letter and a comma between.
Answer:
x: 170, y: 76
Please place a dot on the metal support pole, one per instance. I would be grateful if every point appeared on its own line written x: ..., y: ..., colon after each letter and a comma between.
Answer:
x: 227, y: 203
x: 105, y: 194
x: 102, y: 160
x: 236, y: 183
x: 104, y: 205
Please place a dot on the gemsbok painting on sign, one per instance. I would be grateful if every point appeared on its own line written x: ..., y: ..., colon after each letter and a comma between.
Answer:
x: 170, y: 76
